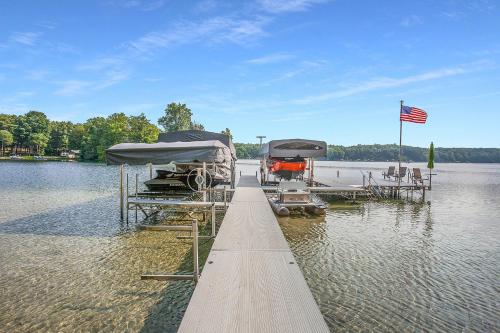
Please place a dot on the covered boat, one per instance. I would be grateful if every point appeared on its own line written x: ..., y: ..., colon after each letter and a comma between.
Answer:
x: 178, y: 155
x: 287, y: 158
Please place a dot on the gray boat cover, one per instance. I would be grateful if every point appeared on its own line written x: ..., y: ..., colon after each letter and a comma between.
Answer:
x: 197, y: 135
x: 166, y: 152
x: 294, y: 147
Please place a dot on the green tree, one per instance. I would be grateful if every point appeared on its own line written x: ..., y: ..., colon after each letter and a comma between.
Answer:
x: 7, y: 122
x: 7, y: 139
x: 247, y: 150
x: 21, y: 131
x: 196, y: 126
x: 94, y: 130
x: 26, y: 126
x: 430, y: 160
x: 40, y: 141
x: 38, y: 122
x: 227, y: 132
x: 75, y: 136
x: 177, y: 118
x: 141, y: 129
x: 59, y: 136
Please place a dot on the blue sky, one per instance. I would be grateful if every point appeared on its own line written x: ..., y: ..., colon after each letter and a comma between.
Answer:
x: 329, y: 70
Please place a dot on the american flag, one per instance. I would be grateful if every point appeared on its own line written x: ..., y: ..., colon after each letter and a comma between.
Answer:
x: 413, y: 114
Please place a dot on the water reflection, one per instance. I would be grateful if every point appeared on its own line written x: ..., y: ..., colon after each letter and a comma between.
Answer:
x: 69, y: 264
x: 383, y: 268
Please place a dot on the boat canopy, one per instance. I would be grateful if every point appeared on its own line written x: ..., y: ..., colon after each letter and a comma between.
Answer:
x: 294, y: 147
x: 197, y: 135
x: 165, y: 152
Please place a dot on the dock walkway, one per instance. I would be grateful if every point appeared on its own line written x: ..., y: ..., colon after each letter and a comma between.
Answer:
x: 251, y: 282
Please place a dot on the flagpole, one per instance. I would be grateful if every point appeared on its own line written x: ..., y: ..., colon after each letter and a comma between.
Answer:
x: 400, y: 141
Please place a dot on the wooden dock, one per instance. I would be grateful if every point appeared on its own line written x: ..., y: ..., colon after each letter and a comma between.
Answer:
x: 251, y: 282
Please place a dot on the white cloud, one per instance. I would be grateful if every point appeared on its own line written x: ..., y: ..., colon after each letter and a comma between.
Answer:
x: 302, y: 67
x: 111, y: 78
x: 26, y: 38
x: 411, y: 21
x: 153, y: 5
x: 37, y: 74
x: 452, y: 15
x: 72, y: 87
x: 281, y: 6
x: 101, y: 63
x: 14, y: 108
x: 205, y: 6
x: 77, y: 87
x: 153, y: 79
x: 385, y: 82
x: 213, y: 30
x: 270, y: 58
x: 144, y: 5
x: 18, y: 96
x: 47, y: 25
x: 65, y: 48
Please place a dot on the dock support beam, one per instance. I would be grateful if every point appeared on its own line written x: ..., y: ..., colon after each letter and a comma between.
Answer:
x: 126, y: 196
x: 213, y: 220
x: 225, y: 198
x: 136, y: 191
x: 196, y: 267
x: 121, y: 191
x: 204, y: 186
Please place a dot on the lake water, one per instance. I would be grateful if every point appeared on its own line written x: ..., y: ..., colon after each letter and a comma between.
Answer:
x: 69, y: 264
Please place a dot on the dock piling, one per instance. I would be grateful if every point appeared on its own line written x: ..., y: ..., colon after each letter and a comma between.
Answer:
x: 126, y: 192
x: 136, y: 191
x: 121, y: 192
x: 225, y: 198
x: 196, y: 266
x: 213, y: 220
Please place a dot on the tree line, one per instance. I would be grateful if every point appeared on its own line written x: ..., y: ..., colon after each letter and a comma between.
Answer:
x: 383, y: 153
x: 34, y: 133
x: 390, y: 152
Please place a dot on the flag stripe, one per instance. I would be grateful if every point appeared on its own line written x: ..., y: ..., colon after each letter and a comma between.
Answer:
x: 412, y: 114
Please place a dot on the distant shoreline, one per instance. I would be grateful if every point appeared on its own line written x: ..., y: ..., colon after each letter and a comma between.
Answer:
x: 240, y: 161
x: 45, y: 159
x: 390, y: 152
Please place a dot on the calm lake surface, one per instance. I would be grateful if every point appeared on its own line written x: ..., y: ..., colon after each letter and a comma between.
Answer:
x: 69, y: 264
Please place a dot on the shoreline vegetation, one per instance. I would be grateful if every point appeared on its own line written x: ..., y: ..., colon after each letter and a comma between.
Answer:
x: 34, y: 134
x: 389, y: 153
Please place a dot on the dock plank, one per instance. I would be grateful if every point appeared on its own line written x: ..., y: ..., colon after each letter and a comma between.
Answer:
x: 251, y: 282
x: 247, y: 226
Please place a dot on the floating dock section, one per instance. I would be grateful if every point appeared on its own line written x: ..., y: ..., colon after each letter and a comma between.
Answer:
x: 251, y: 282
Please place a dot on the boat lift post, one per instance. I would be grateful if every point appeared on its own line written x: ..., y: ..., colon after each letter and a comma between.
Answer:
x: 233, y: 174
x: 311, y: 171
x: 204, y: 184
